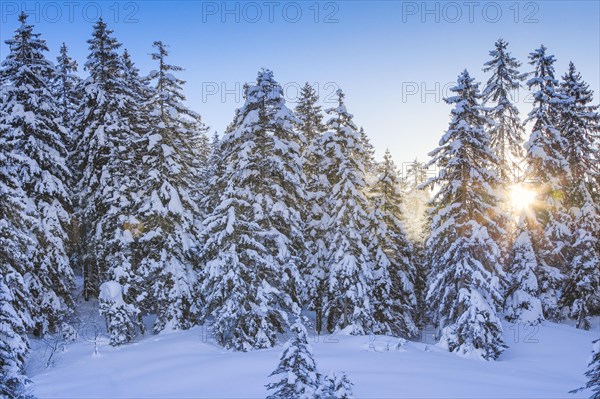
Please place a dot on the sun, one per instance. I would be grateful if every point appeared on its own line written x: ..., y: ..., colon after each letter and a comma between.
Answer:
x: 521, y: 198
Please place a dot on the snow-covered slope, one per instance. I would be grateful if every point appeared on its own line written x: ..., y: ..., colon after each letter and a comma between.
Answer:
x: 540, y: 363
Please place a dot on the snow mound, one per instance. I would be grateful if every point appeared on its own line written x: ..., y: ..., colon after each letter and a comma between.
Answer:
x: 111, y: 291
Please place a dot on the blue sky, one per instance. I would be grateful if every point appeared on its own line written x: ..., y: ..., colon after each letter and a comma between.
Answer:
x: 394, y: 59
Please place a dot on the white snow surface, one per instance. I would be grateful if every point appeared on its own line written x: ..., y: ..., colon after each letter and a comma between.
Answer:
x: 540, y: 363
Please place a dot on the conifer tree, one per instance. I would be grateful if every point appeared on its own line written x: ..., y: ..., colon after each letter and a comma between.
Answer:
x: 202, y: 146
x: 394, y: 300
x: 91, y: 151
x: 416, y: 203
x: 284, y: 192
x: 506, y: 130
x: 368, y: 153
x: 349, y: 273
x: 580, y: 124
x: 253, y: 235
x: 16, y: 248
x: 213, y: 168
x: 416, y: 223
x: 311, y: 128
x: 169, y: 210
x: 122, y: 226
x: 111, y: 122
x: 462, y: 249
x: 310, y: 122
x: 547, y: 169
x: 416, y: 174
x: 36, y: 142
x: 336, y: 386
x: 297, y: 371
x: 593, y: 372
x: 14, y: 346
x: 65, y: 88
x: 523, y: 302
x: 122, y: 319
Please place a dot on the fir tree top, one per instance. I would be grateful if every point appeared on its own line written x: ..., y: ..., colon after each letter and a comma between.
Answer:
x: 65, y: 62
x: 103, y: 61
x: 580, y: 123
x: 505, y: 129
x: 341, y: 119
x: 467, y: 116
x: 26, y: 59
x: 544, y: 84
x: 309, y: 114
x: 464, y: 158
x: 169, y: 87
x: 544, y: 154
x: 505, y: 74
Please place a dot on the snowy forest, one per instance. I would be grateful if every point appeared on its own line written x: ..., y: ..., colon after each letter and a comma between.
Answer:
x: 116, y: 199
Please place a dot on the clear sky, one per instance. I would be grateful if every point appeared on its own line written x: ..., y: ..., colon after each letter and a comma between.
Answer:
x: 394, y: 59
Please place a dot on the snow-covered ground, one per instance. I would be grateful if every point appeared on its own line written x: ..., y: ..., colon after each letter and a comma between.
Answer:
x: 541, y: 363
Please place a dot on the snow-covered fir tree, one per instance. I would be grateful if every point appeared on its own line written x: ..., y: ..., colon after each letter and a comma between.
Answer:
x: 580, y: 126
x: 202, y: 145
x: 297, y: 371
x: 122, y: 318
x: 123, y: 304
x: 16, y: 250
x: 169, y: 210
x: 523, y: 302
x: 416, y: 223
x: 310, y: 122
x: 463, y: 250
x: 368, y: 153
x: 65, y: 87
x: 593, y: 372
x: 416, y: 203
x: 36, y: 142
x: 506, y: 130
x: 547, y: 170
x: 394, y: 300
x: 213, y: 167
x: 253, y: 236
x: 416, y: 174
x: 111, y: 122
x: 14, y: 346
x: 284, y: 192
x: 336, y: 386
x: 311, y: 128
x: 104, y: 63
x: 349, y: 273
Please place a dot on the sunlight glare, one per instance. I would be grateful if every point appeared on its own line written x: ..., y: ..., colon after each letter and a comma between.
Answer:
x: 521, y: 197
